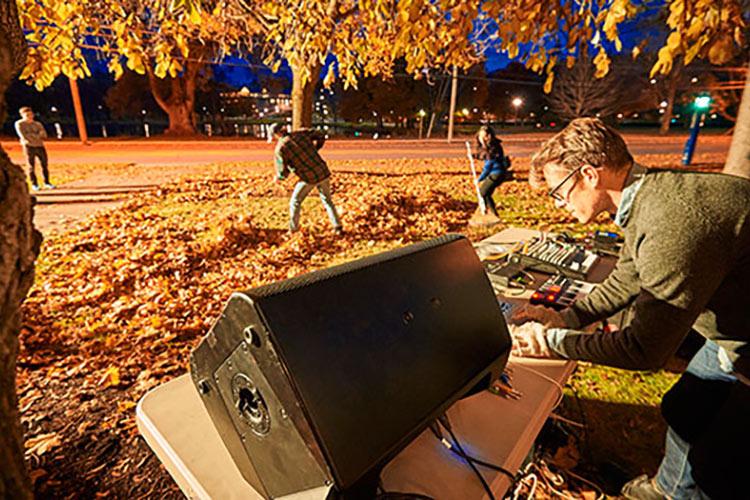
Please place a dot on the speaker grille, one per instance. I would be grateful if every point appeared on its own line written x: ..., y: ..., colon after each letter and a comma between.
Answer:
x: 376, y: 348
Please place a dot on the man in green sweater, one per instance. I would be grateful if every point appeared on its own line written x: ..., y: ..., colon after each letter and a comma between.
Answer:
x: 685, y: 264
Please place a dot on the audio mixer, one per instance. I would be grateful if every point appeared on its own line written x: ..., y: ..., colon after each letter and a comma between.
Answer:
x: 555, y: 255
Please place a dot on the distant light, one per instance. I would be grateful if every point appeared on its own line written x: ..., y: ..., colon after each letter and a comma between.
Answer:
x: 663, y: 104
x: 465, y: 111
x: 532, y: 114
x: 517, y: 102
x: 694, y: 79
x: 474, y: 88
x: 661, y: 111
x: 702, y: 102
x: 598, y: 115
x: 538, y: 125
x: 635, y: 115
x: 222, y: 110
x: 53, y: 109
x: 321, y: 98
x: 619, y: 116
x: 714, y: 116
x: 475, y: 110
x: 652, y: 81
x: 143, y: 111
x: 546, y: 108
x: 422, y: 112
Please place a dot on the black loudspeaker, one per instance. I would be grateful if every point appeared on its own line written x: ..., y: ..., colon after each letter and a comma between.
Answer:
x: 317, y: 381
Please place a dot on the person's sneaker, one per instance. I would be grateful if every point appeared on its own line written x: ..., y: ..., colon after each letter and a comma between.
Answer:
x: 49, y: 185
x: 34, y: 187
x: 642, y: 488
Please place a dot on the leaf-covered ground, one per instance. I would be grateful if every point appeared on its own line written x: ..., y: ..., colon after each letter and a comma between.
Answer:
x: 122, y: 298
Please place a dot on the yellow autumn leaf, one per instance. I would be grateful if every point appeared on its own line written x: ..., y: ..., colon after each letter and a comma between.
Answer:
x: 601, y: 62
x: 674, y: 40
x: 721, y: 50
x: 548, y: 82
x: 111, y: 377
x: 330, y: 77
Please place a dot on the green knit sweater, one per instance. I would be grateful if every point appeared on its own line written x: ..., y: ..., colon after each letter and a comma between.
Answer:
x: 685, y: 263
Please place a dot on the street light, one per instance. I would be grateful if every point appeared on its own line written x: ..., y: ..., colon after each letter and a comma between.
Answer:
x: 701, y: 104
x: 422, y: 114
x: 517, y: 102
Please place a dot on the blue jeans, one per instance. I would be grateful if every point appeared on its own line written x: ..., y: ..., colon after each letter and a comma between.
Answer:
x: 301, y: 190
x: 675, y: 476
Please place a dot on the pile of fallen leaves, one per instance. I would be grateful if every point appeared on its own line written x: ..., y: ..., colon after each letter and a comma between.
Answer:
x: 121, y: 299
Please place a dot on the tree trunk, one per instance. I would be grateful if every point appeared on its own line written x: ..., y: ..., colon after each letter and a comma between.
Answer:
x: 19, y: 245
x: 738, y: 159
x: 176, y: 97
x: 181, y: 122
x: 674, y: 80
x: 303, y: 95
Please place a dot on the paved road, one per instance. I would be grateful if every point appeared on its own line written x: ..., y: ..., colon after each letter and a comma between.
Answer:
x: 167, y: 160
x: 160, y: 152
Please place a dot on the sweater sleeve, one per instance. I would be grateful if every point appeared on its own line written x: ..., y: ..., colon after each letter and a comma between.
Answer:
x: 679, y: 267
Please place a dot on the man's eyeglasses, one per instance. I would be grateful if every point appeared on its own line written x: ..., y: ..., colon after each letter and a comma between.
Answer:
x: 554, y: 192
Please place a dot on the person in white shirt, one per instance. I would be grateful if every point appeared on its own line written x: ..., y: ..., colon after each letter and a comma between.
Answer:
x: 32, y: 135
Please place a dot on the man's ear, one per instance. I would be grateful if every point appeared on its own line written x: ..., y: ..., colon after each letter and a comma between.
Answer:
x: 591, y: 176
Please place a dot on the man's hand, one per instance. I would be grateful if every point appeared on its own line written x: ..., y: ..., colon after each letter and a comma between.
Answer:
x: 544, y: 315
x: 530, y: 341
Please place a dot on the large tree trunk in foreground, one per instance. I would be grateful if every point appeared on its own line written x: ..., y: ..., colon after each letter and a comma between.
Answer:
x: 19, y: 244
x: 738, y: 160
x: 303, y: 95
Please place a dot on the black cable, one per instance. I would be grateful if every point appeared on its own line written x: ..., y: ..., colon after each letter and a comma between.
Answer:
x: 457, y: 444
x: 436, y: 431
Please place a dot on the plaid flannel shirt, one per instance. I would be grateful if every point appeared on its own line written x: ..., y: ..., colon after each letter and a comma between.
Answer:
x: 298, y: 152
